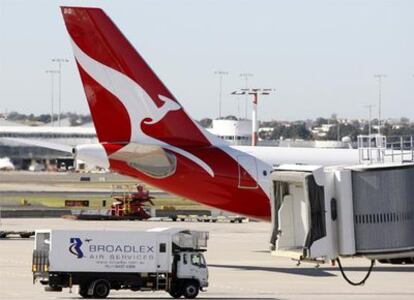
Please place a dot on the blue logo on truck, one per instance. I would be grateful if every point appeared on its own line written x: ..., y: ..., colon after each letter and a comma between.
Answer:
x: 75, y: 247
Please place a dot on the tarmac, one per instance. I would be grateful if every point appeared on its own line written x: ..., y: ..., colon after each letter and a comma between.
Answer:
x: 62, y: 184
x: 240, y: 267
x: 60, y: 177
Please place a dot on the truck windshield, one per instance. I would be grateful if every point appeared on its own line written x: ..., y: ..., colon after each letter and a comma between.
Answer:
x: 198, y: 260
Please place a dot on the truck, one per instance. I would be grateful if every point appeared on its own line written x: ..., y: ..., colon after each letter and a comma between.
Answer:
x: 160, y: 259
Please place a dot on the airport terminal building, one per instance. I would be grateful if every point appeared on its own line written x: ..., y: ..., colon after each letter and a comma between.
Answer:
x: 39, y: 158
x: 235, y: 132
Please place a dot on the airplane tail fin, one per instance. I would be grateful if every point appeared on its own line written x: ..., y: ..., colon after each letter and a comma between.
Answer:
x: 128, y: 102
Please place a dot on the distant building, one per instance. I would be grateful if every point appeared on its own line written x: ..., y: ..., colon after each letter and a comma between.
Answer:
x: 23, y: 156
x: 313, y: 144
x: 65, y: 122
x: 4, y: 122
x: 322, y: 130
x: 235, y: 132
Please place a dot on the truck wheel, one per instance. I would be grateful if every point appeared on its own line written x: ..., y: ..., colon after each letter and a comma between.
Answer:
x: 190, y: 290
x: 176, y: 293
x: 53, y: 288
x: 83, y: 291
x: 101, y: 289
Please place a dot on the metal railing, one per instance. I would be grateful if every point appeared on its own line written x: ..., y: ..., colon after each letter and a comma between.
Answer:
x: 379, y: 148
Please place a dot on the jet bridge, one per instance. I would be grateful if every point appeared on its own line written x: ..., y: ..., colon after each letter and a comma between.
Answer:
x: 323, y: 213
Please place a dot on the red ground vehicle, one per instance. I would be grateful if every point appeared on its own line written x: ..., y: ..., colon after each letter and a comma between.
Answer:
x: 132, y: 204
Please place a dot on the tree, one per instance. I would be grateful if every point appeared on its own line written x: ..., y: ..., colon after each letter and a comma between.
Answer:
x: 206, y: 122
x: 405, y: 121
x: 319, y: 121
x: 296, y: 130
x: 352, y: 130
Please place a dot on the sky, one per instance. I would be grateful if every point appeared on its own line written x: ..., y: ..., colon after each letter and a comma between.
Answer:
x: 319, y: 56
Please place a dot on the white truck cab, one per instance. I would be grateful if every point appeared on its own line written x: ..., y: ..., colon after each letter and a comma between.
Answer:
x: 192, y: 265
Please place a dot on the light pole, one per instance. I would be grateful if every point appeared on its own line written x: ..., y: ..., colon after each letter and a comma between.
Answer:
x: 60, y: 61
x: 369, y: 106
x: 246, y: 86
x: 220, y: 74
x: 255, y: 92
x: 52, y: 98
x: 379, y: 77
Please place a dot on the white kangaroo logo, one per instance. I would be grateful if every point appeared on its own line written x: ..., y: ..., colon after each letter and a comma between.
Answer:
x: 159, y: 113
x: 137, y: 102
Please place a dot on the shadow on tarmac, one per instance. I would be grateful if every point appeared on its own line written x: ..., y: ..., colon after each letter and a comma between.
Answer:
x: 316, y: 272
x: 16, y: 239
x: 198, y: 297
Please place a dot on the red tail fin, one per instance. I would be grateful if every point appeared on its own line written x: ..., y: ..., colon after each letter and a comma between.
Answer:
x: 127, y: 100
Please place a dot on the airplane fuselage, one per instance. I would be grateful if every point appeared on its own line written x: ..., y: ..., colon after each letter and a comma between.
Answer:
x: 241, y: 182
